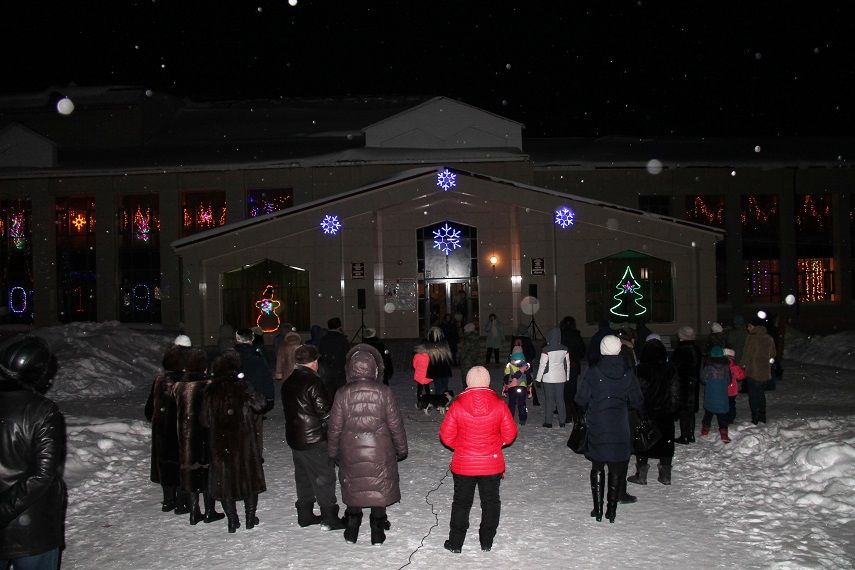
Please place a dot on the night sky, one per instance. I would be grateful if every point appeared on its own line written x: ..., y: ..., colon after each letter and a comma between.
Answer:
x: 562, y: 68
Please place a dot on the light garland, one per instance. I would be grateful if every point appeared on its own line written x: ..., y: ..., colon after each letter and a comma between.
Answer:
x: 813, y: 283
x: 78, y: 221
x: 17, y: 308
x: 146, y: 297
x: 628, y: 289
x: 809, y: 210
x: 17, y: 230
x: 268, y: 319
x: 702, y: 212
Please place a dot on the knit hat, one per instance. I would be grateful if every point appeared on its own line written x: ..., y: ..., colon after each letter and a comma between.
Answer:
x: 610, y: 345
x: 686, y: 333
x: 517, y: 356
x: 716, y: 328
x: 305, y: 354
x: 369, y: 333
x: 182, y: 340
x: 729, y: 352
x: 478, y: 377
x: 716, y: 352
x: 469, y: 327
x: 653, y: 336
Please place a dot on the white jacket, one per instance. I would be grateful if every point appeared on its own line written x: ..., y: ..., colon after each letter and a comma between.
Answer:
x: 558, y: 364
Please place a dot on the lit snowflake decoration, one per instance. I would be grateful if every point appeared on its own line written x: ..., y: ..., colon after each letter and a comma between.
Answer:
x: 79, y: 221
x: 330, y: 225
x: 564, y: 217
x: 446, y: 179
x: 446, y: 239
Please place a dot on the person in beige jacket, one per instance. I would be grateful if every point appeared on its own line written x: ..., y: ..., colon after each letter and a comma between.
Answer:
x: 757, y: 359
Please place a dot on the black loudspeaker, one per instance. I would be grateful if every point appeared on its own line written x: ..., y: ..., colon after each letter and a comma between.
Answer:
x: 532, y: 290
x: 360, y: 299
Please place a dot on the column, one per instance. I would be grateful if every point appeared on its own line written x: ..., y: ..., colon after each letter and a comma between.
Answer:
x: 43, y: 237
x: 106, y: 255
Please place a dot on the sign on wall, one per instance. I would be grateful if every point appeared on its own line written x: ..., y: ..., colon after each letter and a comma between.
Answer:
x: 538, y: 266
x: 357, y: 270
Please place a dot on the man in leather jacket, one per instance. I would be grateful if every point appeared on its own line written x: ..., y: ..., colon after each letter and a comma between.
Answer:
x: 32, y: 454
x: 307, y: 406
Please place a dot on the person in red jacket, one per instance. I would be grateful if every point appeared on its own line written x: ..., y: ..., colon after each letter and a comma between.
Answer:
x: 477, y: 426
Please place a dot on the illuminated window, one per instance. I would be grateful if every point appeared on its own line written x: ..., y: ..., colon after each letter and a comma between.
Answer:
x: 816, y: 280
x: 139, y: 259
x: 287, y: 286
x: 16, y: 261
x: 75, y: 258
x: 260, y: 202
x: 709, y: 210
x: 629, y: 286
x: 762, y: 281
x: 203, y: 211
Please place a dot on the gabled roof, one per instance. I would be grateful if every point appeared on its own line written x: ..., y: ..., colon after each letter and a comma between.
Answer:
x: 416, y: 173
x: 440, y: 99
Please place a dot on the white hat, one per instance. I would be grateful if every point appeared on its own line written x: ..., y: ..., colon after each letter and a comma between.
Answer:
x: 686, y: 333
x: 716, y: 328
x: 653, y: 336
x: 469, y: 327
x: 478, y: 377
x: 182, y: 340
x: 369, y: 333
x: 729, y: 352
x: 610, y: 345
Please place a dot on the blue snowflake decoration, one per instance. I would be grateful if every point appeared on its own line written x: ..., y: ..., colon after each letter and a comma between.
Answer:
x: 330, y: 225
x: 564, y: 217
x: 446, y: 239
x: 446, y: 179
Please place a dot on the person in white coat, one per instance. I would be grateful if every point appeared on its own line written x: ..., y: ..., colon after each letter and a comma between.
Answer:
x: 554, y: 371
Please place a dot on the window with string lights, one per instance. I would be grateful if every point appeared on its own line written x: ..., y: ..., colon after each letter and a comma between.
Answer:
x: 75, y: 258
x: 260, y: 202
x: 629, y: 286
x: 814, y: 249
x: 139, y: 259
x: 709, y: 211
x: 16, y: 269
x: 266, y: 294
x: 203, y: 211
x: 760, y: 248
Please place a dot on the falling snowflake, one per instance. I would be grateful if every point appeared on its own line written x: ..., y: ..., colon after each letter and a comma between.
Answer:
x: 446, y: 239
x: 564, y: 217
x: 446, y: 179
x: 330, y: 225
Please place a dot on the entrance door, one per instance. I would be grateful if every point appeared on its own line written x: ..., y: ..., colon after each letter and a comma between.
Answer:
x: 455, y: 297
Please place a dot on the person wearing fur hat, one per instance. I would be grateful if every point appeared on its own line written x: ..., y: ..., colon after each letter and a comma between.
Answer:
x: 606, y: 393
x: 367, y: 439
x: 688, y: 359
x: 477, y: 426
x: 231, y: 406
x: 470, y: 349
x: 370, y: 338
x: 715, y: 376
x: 307, y: 404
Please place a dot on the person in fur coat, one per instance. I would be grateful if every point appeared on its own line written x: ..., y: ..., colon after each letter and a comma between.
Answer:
x: 231, y: 407
x: 188, y: 393
x: 366, y: 437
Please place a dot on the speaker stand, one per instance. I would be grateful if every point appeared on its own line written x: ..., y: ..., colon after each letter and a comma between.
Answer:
x: 361, y: 330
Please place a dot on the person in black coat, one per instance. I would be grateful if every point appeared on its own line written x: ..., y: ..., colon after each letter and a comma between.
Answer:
x: 451, y: 331
x: 371, y: 339
x: 254, y: 366
x: 32, y: 455
x: 594, y: 344
x: 606, y: 393
x: 333, y: 348
x: 688, y: 359
x: 660, y: 386
x: 572, y: 339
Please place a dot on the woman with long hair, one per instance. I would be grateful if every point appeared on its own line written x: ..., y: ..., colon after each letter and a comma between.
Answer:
x: 432, y: 363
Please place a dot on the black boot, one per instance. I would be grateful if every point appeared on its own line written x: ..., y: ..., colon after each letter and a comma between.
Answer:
x: 613, y: 494
x: 598, y: 484
x: 306, y: 514
x: 211, y: 513
x: 195, y: 513
x: 352, y: 523
x: 331, y: 520
x: 379, y: 526
x: 182, y: 502
x: 641, y: 468
x: 250, y: 505
x: 231, y: 514
x: 625, y: 498
x: 664, y: 474
x: 168, y: 503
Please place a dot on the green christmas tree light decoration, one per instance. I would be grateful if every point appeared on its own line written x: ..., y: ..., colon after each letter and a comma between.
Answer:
x: 628, y: 297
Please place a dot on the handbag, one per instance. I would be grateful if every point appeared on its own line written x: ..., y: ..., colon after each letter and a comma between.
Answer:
x: 646, y: 435
x: 578, y: 440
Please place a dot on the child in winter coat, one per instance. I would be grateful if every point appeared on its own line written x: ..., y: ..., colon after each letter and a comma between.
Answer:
x: 715, y: 376
x: 517, y: 384
x: 737, y: 375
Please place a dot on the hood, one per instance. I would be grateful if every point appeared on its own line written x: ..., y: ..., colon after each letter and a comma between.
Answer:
x: 316, y: 332
x: 364, y: 362
x: 477, y: 401
x: 553, y: 340
x: 612, y: 366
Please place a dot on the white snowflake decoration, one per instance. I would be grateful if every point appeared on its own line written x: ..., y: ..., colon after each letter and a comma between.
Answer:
x: 564, y: 217
x: 446, y: 179
x: 446, y: 239
x: 330, y: 225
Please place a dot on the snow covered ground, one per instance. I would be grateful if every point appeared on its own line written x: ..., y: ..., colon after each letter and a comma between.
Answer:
x: 779, y: 496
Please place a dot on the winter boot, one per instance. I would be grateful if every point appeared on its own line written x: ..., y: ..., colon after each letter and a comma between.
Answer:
x: 182, y: 502
x: 613, y: 494
x: 761, y: 417
x: 486, y: 539
x: 231, y: 514
x: 705, y: 430
x: 168, y: 503
x: 352, y: 522
x: 724, y: 436
x: 250, y: 505
x: 195, y: 513
x: 379, y: 526
x: 306, y: 514
x: 598, y: 485
x: 664, y: 474
x: 624, y: 497
x: 640, y: 477
x: 211, y: 513
x: 330, y: 519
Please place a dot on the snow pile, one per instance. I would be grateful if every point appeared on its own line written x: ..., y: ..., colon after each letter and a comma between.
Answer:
x: 836, y: 350
x: 102, y: 359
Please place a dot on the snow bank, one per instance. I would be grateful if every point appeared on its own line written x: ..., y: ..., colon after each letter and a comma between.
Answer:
x: 837, y: 350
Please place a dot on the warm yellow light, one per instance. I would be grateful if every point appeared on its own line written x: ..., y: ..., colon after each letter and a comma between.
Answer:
x: 494, y: 260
